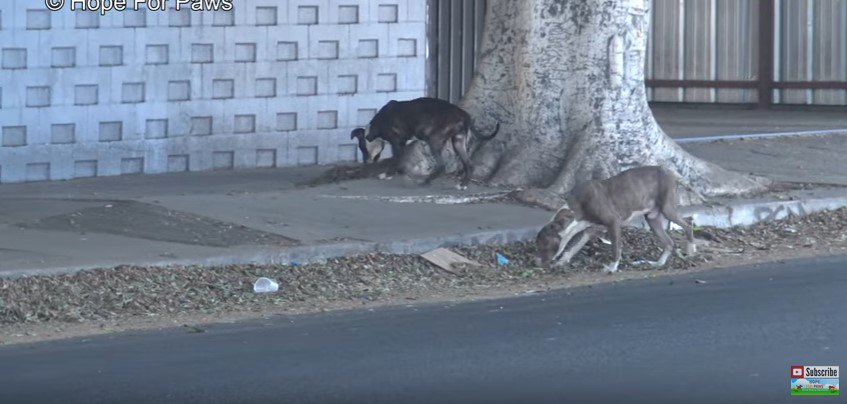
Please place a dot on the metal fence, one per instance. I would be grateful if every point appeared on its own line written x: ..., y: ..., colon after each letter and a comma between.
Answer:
x: 713, y: 51
x: 748, y: 51
x: 455, y: 34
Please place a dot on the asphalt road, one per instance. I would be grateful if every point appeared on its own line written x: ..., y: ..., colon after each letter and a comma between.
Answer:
x: 671, y: 339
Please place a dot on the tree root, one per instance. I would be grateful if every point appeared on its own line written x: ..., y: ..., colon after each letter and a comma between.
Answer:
x: 537, y: 197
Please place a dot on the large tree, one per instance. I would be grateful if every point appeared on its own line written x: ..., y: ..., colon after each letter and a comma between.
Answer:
x: 565, y: 78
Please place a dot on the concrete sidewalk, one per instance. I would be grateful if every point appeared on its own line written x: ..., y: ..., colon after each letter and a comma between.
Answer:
x: 687, y: 122
x: 263, y: 216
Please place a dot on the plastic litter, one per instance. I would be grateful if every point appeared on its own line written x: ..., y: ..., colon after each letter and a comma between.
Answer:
x: 501, y: 260
x: 265, y: 285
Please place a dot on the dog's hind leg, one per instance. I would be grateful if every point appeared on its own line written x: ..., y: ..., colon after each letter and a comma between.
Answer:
x: 655, y: 222
x: 668, y: 209
x: 671, y: 213
x: 460, y: 142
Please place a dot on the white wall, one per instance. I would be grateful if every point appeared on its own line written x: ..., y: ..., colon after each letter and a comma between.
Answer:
x: 273, y: 83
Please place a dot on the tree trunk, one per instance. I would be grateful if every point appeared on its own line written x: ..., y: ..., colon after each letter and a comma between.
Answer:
x: 565, y: 78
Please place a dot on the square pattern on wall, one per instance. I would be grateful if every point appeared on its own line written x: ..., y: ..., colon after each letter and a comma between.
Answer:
x: 268, y: 84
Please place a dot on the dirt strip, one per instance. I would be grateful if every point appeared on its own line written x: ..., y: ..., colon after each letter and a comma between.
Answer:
x: 134, y: 298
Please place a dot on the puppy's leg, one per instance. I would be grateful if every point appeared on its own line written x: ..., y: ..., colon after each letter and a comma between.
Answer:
x: 615, y: 231
x: 460, y: 147
x: 655, y: 222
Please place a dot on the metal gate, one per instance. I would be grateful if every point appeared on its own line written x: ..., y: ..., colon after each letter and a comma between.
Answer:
x: 454, y: 30
x: 748, y: 51
x: 713, y: 51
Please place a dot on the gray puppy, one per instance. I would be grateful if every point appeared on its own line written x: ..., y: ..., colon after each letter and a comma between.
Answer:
x: 595, y: 206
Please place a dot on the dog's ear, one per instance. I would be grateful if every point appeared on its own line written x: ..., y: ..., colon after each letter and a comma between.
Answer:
x: 357, y: 133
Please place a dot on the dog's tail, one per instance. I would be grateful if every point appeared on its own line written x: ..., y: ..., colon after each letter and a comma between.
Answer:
x: 489, y: 137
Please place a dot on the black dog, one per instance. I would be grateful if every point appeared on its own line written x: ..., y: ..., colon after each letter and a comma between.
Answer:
x: 432, y: 120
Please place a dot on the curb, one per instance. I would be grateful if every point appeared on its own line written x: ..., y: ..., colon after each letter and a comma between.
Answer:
x: 745, y: 214
x: 749, y: 136
x: 741, y: 213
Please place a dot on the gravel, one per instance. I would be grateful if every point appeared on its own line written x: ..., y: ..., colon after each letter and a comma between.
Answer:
x: 129, y: 291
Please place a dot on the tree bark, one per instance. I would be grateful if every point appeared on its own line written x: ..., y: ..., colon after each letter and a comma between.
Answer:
x: 565, y: 79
